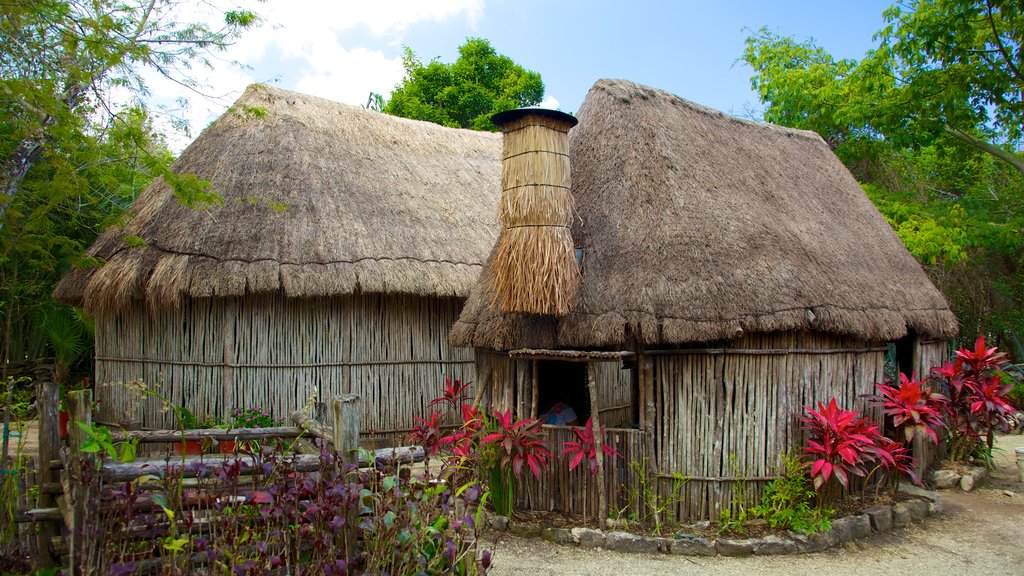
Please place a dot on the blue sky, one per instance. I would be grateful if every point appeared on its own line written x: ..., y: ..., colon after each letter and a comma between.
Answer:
x: 344, y: 49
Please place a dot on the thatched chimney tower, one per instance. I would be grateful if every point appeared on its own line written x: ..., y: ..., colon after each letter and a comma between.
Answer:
x: 534, y: 268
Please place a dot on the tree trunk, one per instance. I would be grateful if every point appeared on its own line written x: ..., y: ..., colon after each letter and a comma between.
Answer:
x: 1009, y: 157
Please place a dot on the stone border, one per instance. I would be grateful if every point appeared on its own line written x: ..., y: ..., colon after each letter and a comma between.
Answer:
x: 945, y: 479
x: 876, y: 519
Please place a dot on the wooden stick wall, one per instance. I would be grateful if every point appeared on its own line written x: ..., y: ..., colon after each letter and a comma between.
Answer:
x: 724, y: 418
x: 213, y: 355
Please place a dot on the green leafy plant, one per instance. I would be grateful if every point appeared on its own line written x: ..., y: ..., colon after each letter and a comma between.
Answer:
x: 787, y: 502
x: 735, y: 523
x: 100, y: 440
x: 654, y: 507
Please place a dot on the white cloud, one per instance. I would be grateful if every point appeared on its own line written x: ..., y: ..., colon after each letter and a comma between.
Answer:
x: 549, y: 101
x: 353, y: 75
x: 310, y: 36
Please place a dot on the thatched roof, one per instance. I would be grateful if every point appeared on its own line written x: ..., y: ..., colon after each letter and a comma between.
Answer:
x: 699, y: 227
x: 320, y: 198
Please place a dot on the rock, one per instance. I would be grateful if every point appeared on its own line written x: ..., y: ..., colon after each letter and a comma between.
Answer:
x: 524, y: 529
x: 774, y: 545
x: 901, y: 515
x: 821, y: 541
x: 587, y: 537
x: 499, y: 523
x: 850, y: 547
x: 663, y: 544
x: 918, y: 510
x: 730, y: 547
x: 943, y: 479
x: 850, y: 528
x: 1008, y: 493
x: 627, y: 542
x: 556, y: 535
x: 881, y: 517
x: 972, y: 479
x: 692, y: 546
x: 935, y: 508
x: 918, y: 492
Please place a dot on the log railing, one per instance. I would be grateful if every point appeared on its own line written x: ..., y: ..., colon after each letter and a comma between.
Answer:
x: 63, y: 495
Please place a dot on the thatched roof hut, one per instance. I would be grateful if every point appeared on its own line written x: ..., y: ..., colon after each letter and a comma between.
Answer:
x: 319, y: 199
x: 734, y: 270
x: 701, y: 227
x: 337, y: 259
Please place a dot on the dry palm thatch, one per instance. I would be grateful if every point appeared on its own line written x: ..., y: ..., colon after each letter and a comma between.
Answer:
x: 534, y: 269
x: 320, y: 199
x: 699, y: 227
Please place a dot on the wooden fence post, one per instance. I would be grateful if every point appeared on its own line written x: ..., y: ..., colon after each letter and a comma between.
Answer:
x: 595, y: 427
x: 79, y: 404
x: 346, y: 427
x: 49, y: 450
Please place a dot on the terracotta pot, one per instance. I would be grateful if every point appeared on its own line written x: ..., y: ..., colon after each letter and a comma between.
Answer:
x: 188, y: 448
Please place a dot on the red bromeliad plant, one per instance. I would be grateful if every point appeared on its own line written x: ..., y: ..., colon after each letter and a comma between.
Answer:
x: 454, y: 394
x: 427, y: 433
x: 838, y: 442
x: 981, y: 359
x: 586, y: 448
x: 520, y: 442
x: 977, y: 398
x: 913, y: 408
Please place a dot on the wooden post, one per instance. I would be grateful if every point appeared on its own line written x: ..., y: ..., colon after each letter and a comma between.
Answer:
x: 595, y: 426
x: 346, y: 427
x: 7, y: 424
x: 648, y: 411
x: 49, y: 449
x: 79, y: 404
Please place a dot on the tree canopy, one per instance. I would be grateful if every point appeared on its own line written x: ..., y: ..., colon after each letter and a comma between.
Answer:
x: 943, y: 69
x: 78, y: 142
x: 466, y: 93
x: 931, y: 122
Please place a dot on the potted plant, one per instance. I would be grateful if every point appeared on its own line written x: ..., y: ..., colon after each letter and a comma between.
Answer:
x: 250, y: 418
x: 187, y: 420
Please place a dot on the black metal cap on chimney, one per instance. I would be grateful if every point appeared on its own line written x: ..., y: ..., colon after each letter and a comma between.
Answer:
x: 502, y: 118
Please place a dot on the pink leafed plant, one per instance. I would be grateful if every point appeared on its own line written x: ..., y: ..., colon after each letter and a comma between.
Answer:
x: 520, y: 443
x: 586, y: 448
x: 913, y: 408
x: 839, y: 443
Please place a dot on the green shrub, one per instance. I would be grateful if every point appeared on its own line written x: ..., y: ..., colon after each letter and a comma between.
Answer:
x: 786, y: 502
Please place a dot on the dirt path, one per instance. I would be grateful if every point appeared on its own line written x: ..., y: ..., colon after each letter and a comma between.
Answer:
x: 979, y: 533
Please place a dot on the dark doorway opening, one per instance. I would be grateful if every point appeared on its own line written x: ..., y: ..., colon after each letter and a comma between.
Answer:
x: 905, y: 356
x: 563, y: 383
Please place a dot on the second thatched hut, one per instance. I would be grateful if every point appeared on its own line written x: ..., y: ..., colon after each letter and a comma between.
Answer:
x: 730, y: 272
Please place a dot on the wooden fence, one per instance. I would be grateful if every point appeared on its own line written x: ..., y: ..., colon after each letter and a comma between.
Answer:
x: 576, y: 491
x: 60, y: 510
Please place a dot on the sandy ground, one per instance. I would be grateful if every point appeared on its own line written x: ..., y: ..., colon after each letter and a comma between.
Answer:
x: 979, y: 533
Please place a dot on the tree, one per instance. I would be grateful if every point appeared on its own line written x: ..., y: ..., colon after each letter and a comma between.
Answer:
x: 464, y: 94
x: 77, y: 140
x: 62, y: 60
x: 944, y: 69
x: 930, y: 121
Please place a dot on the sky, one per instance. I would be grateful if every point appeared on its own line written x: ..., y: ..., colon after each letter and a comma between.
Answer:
x: 345, y: 49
